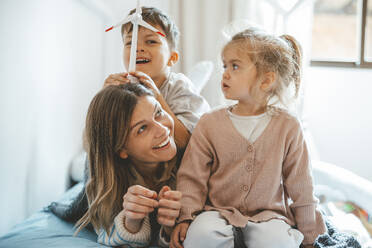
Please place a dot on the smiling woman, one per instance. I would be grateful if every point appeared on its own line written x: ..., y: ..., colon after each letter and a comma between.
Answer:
x: 150, y: 137
x: 132, y: 153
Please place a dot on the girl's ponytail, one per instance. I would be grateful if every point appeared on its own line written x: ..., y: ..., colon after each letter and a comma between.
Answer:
x: 297, y: 60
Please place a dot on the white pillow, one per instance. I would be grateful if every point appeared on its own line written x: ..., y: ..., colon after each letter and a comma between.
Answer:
x: 354, y: 188
x: 200, y: 74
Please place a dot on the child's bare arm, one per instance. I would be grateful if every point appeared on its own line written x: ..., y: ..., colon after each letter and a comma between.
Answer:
x: 181, y: 134
x: 179, y: 235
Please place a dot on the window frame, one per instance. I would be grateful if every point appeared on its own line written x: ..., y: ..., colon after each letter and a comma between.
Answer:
x: 362, y: 62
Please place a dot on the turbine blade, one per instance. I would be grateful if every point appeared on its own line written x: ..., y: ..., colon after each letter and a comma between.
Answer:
x: 146, y: 25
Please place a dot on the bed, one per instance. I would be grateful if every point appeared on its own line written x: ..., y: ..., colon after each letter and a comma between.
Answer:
x: 346, y: 199
x: 332, y: 184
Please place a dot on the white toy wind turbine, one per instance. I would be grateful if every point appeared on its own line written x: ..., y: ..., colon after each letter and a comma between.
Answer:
x: 136, y: 19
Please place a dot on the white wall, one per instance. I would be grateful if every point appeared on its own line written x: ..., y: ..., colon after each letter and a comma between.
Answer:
x: 338, y: 109
x: 54, y: 58
x: 51, y: 65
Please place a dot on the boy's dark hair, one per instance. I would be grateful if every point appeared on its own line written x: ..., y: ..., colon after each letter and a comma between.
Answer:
x: 155, y: 16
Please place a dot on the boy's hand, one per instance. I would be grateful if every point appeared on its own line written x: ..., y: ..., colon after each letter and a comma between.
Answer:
x: 116, y: 79
x: 146, y: 81
x: 122, y: 78
x: 137, y: 203
x: 169, y: 208
x: 179, y: 235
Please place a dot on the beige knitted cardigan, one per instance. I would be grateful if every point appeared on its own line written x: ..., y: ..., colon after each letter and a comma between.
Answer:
x: 270, y: 178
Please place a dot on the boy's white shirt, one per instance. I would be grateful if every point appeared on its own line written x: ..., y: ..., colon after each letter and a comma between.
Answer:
x: 180, y: 94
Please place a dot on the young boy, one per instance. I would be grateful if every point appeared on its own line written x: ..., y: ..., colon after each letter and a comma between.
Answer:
x: 155, y: 57
x: 174, y: 91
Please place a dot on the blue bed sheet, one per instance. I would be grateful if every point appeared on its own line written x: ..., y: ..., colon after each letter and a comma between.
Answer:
x: 43, y: 229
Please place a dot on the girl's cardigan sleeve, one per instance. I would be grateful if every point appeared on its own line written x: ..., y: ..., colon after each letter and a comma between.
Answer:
x: 298, y: 183
x: 194, y: 172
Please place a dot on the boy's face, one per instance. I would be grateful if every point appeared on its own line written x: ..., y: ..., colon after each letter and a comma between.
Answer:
x: 153, y: 54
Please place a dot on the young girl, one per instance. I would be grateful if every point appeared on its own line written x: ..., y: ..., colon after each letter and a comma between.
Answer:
x: 247, y: 165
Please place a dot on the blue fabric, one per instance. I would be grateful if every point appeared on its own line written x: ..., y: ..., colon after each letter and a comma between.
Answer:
x: 44, y: 229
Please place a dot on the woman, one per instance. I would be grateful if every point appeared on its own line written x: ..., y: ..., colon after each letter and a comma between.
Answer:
x: 133, y: 162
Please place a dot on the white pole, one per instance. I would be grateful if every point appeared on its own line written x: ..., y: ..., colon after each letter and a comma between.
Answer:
x: 133, y: 48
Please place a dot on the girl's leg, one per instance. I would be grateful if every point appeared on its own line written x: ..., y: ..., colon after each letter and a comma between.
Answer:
x: 209, y: 229
x: 274, y: 233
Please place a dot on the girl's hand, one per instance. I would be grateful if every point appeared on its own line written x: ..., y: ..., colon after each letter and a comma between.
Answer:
x: 179, y: 235
x: 146, y: 81
x: 116, y: 79
x: 137, y: 203
x: 169, y: 208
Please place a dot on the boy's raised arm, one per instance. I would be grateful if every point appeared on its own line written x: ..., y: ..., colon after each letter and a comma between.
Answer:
x: 181, y: 134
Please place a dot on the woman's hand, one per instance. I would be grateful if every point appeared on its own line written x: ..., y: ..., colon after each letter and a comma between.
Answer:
x: 137, y: 203
x: 169, y: 208
x: 179, y: 235
x: 117, y: 79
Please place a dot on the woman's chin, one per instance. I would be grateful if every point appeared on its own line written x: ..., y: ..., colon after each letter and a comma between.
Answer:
x: 167, y: 152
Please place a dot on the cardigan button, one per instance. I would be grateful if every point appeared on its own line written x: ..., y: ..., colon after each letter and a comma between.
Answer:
x: 245, y: 187
x: 250, y: 148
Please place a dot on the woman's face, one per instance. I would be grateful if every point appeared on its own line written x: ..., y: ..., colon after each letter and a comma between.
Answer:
x: 151, y: 134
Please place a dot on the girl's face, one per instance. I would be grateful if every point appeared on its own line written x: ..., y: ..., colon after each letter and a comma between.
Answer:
x: 153, y: 53
x: 151, y: 135
x: 240, y: 79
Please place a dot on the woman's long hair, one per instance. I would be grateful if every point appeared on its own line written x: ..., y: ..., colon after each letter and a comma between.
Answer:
x: 107, y: 131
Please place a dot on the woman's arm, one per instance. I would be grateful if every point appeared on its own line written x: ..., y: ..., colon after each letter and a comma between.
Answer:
x: 132, y: 225
x: 119, y: 234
